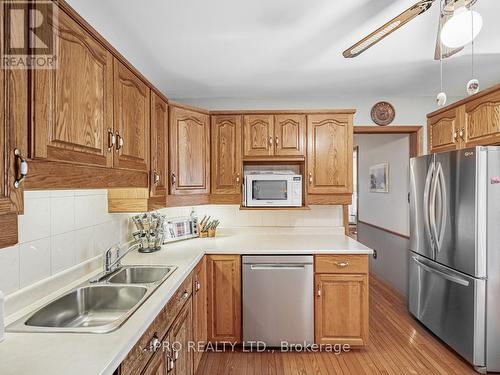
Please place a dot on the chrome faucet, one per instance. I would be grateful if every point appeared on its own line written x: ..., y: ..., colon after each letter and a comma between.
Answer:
x: 110, y: 266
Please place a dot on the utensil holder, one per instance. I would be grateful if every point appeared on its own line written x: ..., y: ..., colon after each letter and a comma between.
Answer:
x: 211, y: 232
x: 203, y: 234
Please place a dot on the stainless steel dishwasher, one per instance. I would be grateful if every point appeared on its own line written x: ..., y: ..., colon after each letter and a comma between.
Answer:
x: 278, y: 299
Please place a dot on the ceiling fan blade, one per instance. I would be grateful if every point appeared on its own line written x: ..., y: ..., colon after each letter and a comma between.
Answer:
x: 388, y: 28
x: 446, y: 51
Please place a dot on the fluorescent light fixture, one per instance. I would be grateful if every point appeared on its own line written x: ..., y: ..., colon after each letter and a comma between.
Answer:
x: 462, y: 28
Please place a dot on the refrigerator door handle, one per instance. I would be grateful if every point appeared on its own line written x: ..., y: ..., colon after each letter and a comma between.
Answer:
x: 453, y: 278
x: 432, y: 208
x: 426, y: 202
x: 443, y: 208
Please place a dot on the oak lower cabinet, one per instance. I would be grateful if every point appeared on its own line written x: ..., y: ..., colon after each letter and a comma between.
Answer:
x: 200, y: 317
x: 180, y: 337
x: 329, y: 154
x: 158, y: 365
x: 226, y: 154
x: 131, y: 119
x: 72, y: 105
x: 189, y: 152
x: 341, y: 299
x: 224, y: 298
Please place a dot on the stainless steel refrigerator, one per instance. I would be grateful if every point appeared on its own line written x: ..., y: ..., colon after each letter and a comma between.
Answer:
x: 454, y: 269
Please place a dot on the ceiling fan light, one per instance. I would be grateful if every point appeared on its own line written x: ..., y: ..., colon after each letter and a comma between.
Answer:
x: 462, y: 28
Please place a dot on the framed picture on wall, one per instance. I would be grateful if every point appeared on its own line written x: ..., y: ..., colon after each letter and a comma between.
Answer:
x: 379, y: 178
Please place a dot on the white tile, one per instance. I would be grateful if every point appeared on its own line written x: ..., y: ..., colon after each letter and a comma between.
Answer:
x: 62, y: 193
x: 102, y: 215
x: 62, y: 252
x: 105, y: 235
x: 35, y: 222
x: 34, y: 258
x: 9, y: 269
x: 62, y: 214
x: 84, y: 244
x: 80, y: 192
x: 86, y: 211
x: 32, y: 194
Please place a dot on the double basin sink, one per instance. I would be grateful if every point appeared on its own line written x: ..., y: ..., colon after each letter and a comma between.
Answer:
x: 99, y: 307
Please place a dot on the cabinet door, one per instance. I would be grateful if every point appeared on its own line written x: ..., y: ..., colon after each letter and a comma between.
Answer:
x: 73, y: 104
x: 226, y: 154
x: 341, y: 309
x: 329, y: 154
x: 482, y: 118
x: 200, y: 318
x: 444, y: 130
x: 159, y: 146
x: 224, y: 298
x: 157, y: 365
x: 132, y: 106
x: 13, y: 135
x: 181, y: 334
x: 190, y: 152
x: 258, y: 135
x: 290, y: 135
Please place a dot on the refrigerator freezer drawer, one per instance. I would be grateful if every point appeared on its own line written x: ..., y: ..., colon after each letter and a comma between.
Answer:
x: 451, y: 304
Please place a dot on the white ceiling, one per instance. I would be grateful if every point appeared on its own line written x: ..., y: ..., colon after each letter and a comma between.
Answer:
x: 287, y: 48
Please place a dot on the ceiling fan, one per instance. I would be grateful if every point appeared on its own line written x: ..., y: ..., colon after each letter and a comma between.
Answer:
x: 449, y: 8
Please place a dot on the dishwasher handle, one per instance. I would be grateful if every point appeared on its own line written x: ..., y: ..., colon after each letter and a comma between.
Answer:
x: 277, y: 266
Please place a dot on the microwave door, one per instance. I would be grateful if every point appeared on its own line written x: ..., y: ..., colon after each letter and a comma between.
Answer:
x: 270, y: 192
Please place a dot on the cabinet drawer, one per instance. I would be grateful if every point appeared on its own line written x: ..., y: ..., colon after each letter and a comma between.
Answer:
x: 137, y: 358
x: 341, y: 263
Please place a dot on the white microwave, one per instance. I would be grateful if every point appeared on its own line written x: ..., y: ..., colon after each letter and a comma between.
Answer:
x: 273, y: 189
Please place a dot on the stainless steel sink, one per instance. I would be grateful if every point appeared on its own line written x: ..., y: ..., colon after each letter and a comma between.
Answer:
x: 139, y: 275
x: 96, y: 307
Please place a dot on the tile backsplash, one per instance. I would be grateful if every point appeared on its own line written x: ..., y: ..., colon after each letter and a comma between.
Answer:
x: 64, y: 228
x: 59, y: 229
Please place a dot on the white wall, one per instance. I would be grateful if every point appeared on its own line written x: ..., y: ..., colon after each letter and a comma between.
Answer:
x: 386, y: 210
x: 59, y: 229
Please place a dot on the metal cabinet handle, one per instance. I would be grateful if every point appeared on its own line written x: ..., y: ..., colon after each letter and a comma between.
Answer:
x: 111, y: 139
x: 156, y: 177
x: 238, y: 179
x: 196, y: 285
x: 119, y: 142
x: 23, y: 168
x: 277, y: 141
x: 310, y: 178
x: 170, y: 362
x: 173, y: 179
x: 341, y: 264
x: 461, y: 134
x: 455, y: 136
x: 318, y: 292
x: 176, y: 355
x: 154, y: 344
x: 185, y: 295
x: 270, y: 141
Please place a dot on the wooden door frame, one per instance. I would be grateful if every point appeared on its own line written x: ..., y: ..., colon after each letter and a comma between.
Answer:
x: 416, y: 134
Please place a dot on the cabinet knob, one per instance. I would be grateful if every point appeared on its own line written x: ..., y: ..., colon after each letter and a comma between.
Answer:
x: 111, y: 139
x: 238, y: 179
x: 185, y: 295
x: 22, y: 169
x: 154, y: 344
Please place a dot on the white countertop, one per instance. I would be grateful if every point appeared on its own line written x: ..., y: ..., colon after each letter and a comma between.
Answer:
x: 86, y: 354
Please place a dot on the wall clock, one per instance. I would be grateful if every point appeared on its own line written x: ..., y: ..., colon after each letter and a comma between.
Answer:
x: 383, y: 113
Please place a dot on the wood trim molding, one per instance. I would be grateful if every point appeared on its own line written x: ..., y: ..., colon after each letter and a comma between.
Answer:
x: 345, y: 218
x: 416, y: 133
x: 282, y: 111
x: 188, y: 107
x: 385, y: 230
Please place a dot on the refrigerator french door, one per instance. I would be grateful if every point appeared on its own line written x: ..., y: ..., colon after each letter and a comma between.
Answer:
x: 454, y: 261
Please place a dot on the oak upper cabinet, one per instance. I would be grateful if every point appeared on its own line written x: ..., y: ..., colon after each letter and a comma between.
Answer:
x: 329, y: 153
x: 180, y: 336
x: 159, y: 146
x: 290, y: 135
x: 72, y: 105
x: 200, y: 318
x: 14, y: 117
x: 226, y: 154
x: 224, y: 298
x: 482, y: 120
x: 189, y: 152
x: 132, y: 119
x: 341, y: 302
x: 446, y: 130
x: 258, y: 135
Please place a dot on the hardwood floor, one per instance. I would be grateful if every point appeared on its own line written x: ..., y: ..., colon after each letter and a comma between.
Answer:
x: 397, y: 345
